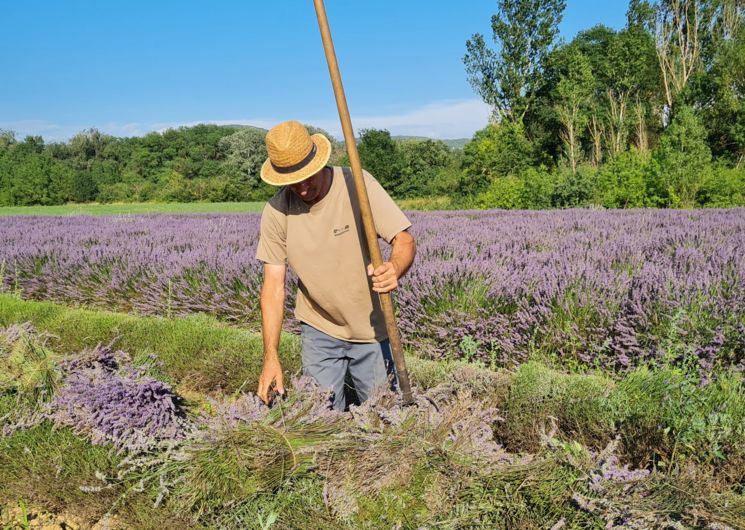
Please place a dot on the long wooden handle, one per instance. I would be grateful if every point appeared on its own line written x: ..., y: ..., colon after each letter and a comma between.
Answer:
x: 367, y: 218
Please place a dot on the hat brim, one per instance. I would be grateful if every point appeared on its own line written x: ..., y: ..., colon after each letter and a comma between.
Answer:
x: 323, y: 153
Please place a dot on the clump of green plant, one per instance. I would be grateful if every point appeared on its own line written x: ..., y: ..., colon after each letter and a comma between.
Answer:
x: 667, y: 417
x: 566, y: 485
x: 575, y: 405
x: 57, y: 469
x: 28, y: 367
x: 245, y: 450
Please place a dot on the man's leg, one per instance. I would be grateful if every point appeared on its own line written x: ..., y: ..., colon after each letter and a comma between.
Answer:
x: 324, y: 359
x: 371, y: 367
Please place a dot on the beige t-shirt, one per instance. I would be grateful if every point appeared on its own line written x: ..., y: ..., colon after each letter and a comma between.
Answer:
x: 325, y: 246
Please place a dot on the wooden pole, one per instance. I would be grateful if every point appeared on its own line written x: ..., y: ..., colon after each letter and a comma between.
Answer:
x: 367, y: 219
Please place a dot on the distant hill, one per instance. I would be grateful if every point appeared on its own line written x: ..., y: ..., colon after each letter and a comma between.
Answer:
x: 230, y: 126
x: 457, y: 143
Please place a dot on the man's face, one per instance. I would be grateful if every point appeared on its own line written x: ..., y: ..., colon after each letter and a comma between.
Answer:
x: 309, y: 190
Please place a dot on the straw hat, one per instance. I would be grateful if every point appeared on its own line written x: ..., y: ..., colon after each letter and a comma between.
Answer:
x: 294, y: 155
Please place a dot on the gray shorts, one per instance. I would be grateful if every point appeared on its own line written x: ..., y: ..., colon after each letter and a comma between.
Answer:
x: 337, y: 363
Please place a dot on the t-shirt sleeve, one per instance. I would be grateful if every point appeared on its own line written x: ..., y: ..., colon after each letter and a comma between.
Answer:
x: 389, y: 219
x: 272, y: 247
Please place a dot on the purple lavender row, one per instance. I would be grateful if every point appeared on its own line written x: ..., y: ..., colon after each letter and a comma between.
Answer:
x: 610, y: 288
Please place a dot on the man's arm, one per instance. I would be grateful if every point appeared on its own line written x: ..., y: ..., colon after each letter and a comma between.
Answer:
x: 272, y: 313
x: 385, y: 278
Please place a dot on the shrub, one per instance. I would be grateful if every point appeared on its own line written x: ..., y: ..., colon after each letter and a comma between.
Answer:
x: 722, y: 188
x: 503, y: 192
x: 537, y: 188
x: 621, y: 182
x: 684, y: 160
x: 574, y: 190
x: 498, y: 150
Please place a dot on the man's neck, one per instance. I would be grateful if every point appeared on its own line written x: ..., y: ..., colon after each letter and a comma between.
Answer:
x: 328, y: 174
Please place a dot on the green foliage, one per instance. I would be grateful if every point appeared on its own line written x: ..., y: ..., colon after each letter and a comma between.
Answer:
x: 574, y: 188
x: 244, y: 152
x: 723, y: 89
x: 381, y: 156
x: 508, y: 80
x: 503, y: 192
x: 426, y: 169
x: 621, y: 183
x: 722, y: 188
x: 573, y: 93
x: 498, y: 150
x: 537, y: 189
x: 683, y: 160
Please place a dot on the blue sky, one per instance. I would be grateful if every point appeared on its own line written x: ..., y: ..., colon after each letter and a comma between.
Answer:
x: 129, y: 67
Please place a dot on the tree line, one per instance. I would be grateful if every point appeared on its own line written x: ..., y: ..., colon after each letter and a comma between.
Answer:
x: 649, y: 115
x: 201, y: 163
x: 652, y: 115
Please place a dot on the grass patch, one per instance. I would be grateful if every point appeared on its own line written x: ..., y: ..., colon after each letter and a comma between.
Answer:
x: 675, y: 420
x: 47, y: 466
x: 196, y: 352
x: 427, y: 203
x: 542, y: 400
x: 135, y: 208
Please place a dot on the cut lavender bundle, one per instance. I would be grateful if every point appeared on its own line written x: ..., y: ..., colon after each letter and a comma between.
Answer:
x: 117, y: 405
x: 388, y: 445
x: 245, y: 448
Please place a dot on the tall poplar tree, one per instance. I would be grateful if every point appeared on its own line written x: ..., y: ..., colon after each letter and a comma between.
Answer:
x: 524, y: 31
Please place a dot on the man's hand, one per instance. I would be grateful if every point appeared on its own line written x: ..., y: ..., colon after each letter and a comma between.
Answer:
x: 384, y: 278
x: 272, y: 310
x: 271, y: 374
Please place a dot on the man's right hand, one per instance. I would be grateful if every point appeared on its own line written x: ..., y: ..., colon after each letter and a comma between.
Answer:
x: 271, y: 374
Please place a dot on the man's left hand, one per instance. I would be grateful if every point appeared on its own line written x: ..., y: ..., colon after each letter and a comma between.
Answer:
x: 384, y: 278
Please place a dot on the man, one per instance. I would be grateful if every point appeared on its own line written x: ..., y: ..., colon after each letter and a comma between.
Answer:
x: 313, y: 224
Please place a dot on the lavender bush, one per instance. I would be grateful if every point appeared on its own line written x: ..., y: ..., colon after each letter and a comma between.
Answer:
x: 606, y: 288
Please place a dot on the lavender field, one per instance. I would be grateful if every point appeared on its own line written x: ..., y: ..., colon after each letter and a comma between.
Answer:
x: 583, y: 287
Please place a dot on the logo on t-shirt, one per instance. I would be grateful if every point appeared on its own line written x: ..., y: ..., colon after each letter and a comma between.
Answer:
x: 340, y: 231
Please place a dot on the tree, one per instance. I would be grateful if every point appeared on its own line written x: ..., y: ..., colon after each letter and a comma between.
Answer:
x: 7, y: 138
x: 641, y: 15
x: 724, y: 100
x: 622, y: 181
x: 683, y: 158
x: 574, y: 91
x: 421, y: 162
x: 381, y: 156
x: 244, y: 152
x: 525, y: 32
x: 503, y: 192
x: 498, y: 150
x: 628, y: 73
x: 678, y: 28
